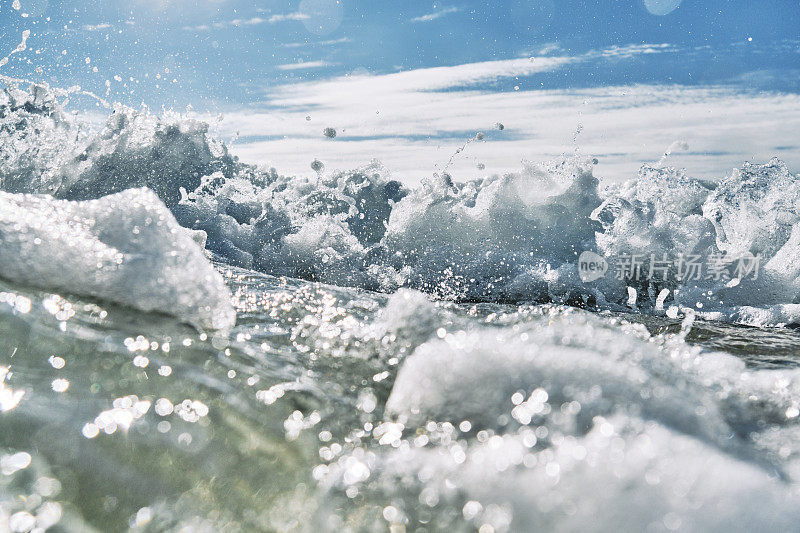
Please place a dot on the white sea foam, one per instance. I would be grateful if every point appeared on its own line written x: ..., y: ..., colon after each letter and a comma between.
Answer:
x: 125, y: 248
x: 574, y: 421
x: 624, y: 474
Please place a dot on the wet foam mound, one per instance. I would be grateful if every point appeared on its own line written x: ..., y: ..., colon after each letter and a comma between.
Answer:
x: 125, y: 248
x: 624, y: 474
x: 511, y: 237
x: 749, y: 219
x: 574, y: 367
x: 326, y: 229
x: 572, y: 421
x: 137, y: 149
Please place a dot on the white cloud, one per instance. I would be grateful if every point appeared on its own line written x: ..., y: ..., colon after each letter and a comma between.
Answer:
x: 436, y: 15
x: 330, y: 42
x: 289, y: 16
x: 638, y: 49
x: 96, y: 27
x: 391, y: 89
x: 543, y: 49
x: 411, y: 122
x: 253, y: 21
x: 307, y: 65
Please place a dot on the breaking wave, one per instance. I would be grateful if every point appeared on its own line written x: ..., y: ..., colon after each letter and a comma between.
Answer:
x: 506, y: 238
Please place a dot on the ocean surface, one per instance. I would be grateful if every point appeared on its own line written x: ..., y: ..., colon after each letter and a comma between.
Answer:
x: 189, y: 343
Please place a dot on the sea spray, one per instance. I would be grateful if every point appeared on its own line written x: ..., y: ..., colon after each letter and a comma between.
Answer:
x: 510, y: 238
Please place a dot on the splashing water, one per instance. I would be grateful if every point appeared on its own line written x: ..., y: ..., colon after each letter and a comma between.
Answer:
x: 21, y: 47
x: 399, y: 358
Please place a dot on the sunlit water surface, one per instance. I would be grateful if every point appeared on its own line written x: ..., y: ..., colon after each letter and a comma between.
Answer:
x: 114, y: 419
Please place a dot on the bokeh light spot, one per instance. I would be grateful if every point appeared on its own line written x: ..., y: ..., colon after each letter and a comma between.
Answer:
x: 661, y: 7
x: 322, y: 17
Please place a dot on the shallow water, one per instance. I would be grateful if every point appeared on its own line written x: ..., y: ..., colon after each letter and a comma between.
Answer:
x: 234, y: 456
x: 115, y: 419
x: 759, y: 347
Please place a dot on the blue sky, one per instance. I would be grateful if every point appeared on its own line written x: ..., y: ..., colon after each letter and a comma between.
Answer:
x: 521, y: 60
x: 230, y: 50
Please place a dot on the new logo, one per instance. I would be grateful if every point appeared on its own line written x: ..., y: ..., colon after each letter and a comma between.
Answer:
x: 591, y: 267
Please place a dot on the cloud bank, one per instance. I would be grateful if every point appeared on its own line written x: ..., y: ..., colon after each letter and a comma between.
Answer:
x: 414, y: 121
